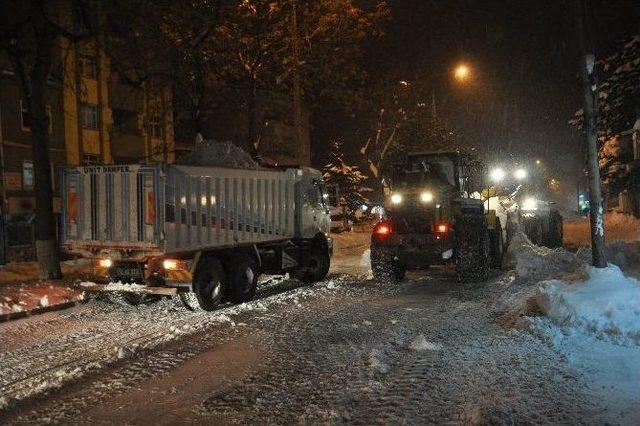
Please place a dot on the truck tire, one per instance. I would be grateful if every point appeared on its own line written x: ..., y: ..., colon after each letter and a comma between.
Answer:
x: 243, y: 278
x: 208, y: 285
x: 497, y: 246
x: 472, y: 248
x: 554, y: 238
x: 385, y: 267
x: 314, y: 266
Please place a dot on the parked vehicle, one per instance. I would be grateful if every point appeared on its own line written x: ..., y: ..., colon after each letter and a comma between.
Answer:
x: 202, y: 233
x: 430, y: 219
x: 340, y: 219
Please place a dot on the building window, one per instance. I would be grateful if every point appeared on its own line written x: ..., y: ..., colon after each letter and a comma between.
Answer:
x: 89, y: 116
x: 25, y: 117
x: 155, y: 128
x: 88, y: 66
x: 91, y: 160
x: 27, y: 174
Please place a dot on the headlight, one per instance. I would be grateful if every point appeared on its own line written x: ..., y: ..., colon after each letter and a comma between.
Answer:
x: 426, y: 197
x: 530, y: 204
x: 396, y: 198
x: 105, y: 263
x: 520, y: 174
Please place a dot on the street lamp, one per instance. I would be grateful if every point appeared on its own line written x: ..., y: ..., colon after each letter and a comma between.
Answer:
x: 462, y: 72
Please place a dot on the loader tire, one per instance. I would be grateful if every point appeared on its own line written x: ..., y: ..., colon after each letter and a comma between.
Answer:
x: 497, y: 246
x: 472, y: 248
x: 385, y: 267
x: 555, y: 236
x: 532, y: 227
x: 243, y: 278
x: 208, y: 285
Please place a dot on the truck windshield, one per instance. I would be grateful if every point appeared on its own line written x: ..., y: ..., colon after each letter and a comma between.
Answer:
x: 428, y: 168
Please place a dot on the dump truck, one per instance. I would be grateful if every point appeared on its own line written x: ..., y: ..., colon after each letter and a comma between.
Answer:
x: 203, y: 234
x: 433, y: 218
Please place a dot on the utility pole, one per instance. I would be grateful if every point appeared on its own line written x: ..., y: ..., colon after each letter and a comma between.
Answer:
x: 588, y: 73
x: 302, y: 148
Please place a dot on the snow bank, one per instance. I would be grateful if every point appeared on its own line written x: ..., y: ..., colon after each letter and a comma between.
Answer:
x: 606, y: 304
x: 535, y: 262
x: 617, y: 226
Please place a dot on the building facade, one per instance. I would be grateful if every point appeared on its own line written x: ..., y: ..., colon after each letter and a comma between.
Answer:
x: 94, y: 118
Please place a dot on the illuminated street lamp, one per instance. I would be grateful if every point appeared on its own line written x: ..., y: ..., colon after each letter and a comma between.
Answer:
x: 462, y: 72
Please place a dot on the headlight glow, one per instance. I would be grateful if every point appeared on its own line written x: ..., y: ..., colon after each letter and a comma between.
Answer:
x: 105, y: 263
x: 396, y: 198
x: 530, y: 204
x: 426, y: 197
x: 520, y: 174
x: 170, y: 264
x: 497, y: 174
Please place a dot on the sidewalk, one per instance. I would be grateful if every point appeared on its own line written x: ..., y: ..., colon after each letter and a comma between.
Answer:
x: 23, y: 294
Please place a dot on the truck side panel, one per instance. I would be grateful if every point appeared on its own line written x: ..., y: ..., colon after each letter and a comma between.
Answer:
x: 215, y: 207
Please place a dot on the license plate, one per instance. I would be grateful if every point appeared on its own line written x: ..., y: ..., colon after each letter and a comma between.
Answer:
x: 127, y: 270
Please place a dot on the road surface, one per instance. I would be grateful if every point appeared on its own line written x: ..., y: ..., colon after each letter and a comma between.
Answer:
x: 346, y: 350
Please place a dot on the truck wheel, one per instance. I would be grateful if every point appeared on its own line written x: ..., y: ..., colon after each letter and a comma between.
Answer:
x: 554, y: 239
x: 385, y: 267
x: 243, y: 279
x: 314, y: 266
x: 497, y: 246
x: 208, y: 285
x: 472, y: 248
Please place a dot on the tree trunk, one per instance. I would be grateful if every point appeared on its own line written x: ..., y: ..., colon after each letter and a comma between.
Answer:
x: 252, y: 117
x: 35, y: 92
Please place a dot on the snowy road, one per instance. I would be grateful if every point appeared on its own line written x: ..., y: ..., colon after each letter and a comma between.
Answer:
x: 348, y: 349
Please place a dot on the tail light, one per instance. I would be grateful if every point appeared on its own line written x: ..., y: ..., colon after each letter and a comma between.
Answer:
x: 441, y: 228
x: 382, y: 229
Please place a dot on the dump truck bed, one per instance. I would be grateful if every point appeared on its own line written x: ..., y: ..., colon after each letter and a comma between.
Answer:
x: 175, y: 209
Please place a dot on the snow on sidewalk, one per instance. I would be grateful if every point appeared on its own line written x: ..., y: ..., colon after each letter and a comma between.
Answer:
x: 590, y: 315
x: 21, y: 293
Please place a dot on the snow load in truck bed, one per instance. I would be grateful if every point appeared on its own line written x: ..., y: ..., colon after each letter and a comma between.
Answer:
x: 210, y: 153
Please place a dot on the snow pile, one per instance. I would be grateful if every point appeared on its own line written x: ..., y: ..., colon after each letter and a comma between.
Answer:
x: 218, y: 154
x: 607, y: 305
x: 377, y: 361
x: 536, y: 262
x: 420, y: 343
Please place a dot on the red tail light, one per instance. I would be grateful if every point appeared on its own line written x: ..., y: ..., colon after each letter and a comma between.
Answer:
x: 382, y: 229
x: 441, y: 228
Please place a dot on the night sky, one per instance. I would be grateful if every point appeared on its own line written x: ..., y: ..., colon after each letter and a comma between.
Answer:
x: 525, y: 60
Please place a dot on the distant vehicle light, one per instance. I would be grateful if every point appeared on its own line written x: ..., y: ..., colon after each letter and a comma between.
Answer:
x: 382, y: 229
x: 105, y: 263
x: 497, y: 174
x: 396, y: 198
x: 426, y: 197
x: 529, y: 204
x: 364, y: 207
x: 520, y: 174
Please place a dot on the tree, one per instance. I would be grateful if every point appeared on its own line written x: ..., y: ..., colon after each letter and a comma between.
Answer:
x: 31, y: 31
x: 348, y: 178
x: 404, y: 121
x: 618, y: 103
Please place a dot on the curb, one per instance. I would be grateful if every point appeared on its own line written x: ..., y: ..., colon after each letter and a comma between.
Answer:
x: 37, y: 311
